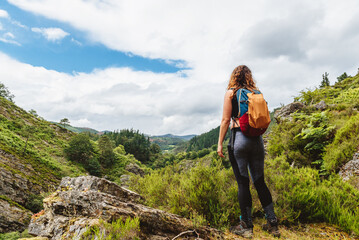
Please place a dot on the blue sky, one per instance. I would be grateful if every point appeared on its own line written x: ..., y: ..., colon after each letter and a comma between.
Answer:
x: 163, y: 66
x: 70, y: 53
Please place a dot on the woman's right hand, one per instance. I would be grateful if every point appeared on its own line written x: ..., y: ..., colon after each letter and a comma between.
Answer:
x: 220, y: 150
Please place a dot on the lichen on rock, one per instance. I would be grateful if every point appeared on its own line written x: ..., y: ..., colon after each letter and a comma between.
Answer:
x: 82, y: 202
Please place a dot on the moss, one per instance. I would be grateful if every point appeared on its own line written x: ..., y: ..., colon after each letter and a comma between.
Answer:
x: 344, y: 145
x: 44, y: 146
x: 12, y: 203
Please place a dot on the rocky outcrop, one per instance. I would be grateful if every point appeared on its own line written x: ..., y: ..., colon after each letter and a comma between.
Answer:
x: 321, y: 105
x: 12, y: 217
x: 135, y: 169
x: 350, y: 171
x: 18, y: 180
x: 80, y: 202
x: 285, y: 112
x: 17, y: 183
x: 125, y: 179
x: 12, y: 182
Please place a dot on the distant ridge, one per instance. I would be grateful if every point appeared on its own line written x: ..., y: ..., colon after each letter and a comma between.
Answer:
x: 78, y: 129
x: 185, y: 137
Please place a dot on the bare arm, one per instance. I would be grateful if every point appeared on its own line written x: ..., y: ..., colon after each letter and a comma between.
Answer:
x: 226, y: 119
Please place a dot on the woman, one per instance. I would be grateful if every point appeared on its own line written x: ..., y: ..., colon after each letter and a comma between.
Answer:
x: 245, y: 153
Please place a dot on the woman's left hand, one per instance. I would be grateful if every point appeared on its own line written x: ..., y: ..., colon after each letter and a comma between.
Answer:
x: 220, y: 151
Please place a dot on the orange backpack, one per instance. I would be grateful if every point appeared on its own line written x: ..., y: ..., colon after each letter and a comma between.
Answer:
x: 253, y: 112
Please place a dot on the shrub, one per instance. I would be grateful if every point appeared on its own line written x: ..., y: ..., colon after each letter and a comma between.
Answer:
x: 14, y: 235
x: 34, y: 203
x: 206, y: 194
x: 94, y: 167
x: 209, y: 194
x: 119, y: 229
x: 345, y: 143
x: 301, y: 195
x: 80, y: 148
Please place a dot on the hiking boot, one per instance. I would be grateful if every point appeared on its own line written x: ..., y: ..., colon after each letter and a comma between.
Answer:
x: 272, y: 227
x: 242, y: 230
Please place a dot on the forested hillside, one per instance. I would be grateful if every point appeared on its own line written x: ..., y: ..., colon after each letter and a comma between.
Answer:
x: 204, y: 140
x: 171, y: 142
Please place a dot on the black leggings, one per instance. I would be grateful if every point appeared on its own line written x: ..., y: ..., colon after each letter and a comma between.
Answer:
x: 248, y: 153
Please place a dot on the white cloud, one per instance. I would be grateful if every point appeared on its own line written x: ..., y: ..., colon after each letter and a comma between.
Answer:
x: 287, y: 44
x: 19, y: 24
x: 3, y: 14
x: 113, y: 98
x: 8, y: 37
x: 76, y: 42
x: 51, y: 34
x: 81, y: 122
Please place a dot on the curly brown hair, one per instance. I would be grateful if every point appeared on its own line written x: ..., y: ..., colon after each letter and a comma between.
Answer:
x: 241, y: 77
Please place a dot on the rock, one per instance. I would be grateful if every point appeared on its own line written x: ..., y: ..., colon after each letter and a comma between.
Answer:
x: 17, y: 179
x: 134, y: 168
x: 124, y: 180
x: 285, y: 112
x: 17, y: 183
x: 81, y: 202
x: 85, y: 183
x: 350, y: 171
x: 12, y: 217
x: 321, y: 105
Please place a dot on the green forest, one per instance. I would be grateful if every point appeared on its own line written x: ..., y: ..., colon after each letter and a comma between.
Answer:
x: 304, y: 155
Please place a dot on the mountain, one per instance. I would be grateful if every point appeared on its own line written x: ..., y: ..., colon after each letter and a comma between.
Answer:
x: 205, y: 140
x: 185, y: 137
x: 77, y: 129
x: 169, y: 142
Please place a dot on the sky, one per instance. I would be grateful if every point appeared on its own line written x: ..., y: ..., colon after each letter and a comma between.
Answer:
x: 163, y: 66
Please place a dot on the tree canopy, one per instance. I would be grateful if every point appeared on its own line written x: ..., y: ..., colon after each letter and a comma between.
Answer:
x: 4, y: 92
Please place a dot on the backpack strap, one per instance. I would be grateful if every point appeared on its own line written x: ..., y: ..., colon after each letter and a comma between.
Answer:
x: 239, y: 107
x: 239, y: 103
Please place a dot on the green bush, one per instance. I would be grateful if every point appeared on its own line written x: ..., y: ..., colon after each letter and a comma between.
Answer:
x: 119, y: 229
x: 94, y: 167
x: 14, y: 235
x: 34, y: 203
x: 203, y: 192
x: 208, y: 194
x: 345, y: 143
x: 80, y: 148
x: 300, y: 194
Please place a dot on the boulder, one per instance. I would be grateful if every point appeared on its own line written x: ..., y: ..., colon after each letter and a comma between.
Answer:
x: 135, y: 169
x: 321, y: 105
x: 285, y: 112
x: 124, y: 180
x: 81, y: 202
x: 350, y: 171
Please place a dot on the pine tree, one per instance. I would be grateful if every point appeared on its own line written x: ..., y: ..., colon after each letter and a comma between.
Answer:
x: 64, y: 122
x: 342, y: 77
x: 325, y: 82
